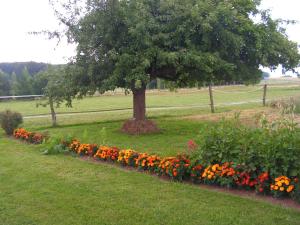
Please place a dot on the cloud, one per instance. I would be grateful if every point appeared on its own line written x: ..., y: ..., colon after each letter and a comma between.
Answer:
x: 18, y: 17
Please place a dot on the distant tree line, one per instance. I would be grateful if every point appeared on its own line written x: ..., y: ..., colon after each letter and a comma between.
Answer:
x: 26, y: 79
x: 21, y: 78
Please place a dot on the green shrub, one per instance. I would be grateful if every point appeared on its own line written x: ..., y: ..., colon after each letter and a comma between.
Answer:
x: 10, y: 121
x: 55, y: 145
x: 281, y: 152
x: 257, y: 150
x: 227, y: 141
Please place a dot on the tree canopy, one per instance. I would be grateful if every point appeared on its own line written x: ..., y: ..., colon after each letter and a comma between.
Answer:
x: 129, y: 43
x: 122, y: 42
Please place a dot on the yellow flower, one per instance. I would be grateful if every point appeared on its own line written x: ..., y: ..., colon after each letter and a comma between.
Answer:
x: 281, y: 189
x: 215, y: 167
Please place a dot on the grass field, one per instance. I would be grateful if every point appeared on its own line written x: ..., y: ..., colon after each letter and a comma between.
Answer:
x: 162, y: 143
x: 39, y: 189
x: 160, y: 99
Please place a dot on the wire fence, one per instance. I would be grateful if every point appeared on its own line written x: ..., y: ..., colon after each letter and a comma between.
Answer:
x: 15, y: 97
x: 237, y: 92
x: 225, y: 96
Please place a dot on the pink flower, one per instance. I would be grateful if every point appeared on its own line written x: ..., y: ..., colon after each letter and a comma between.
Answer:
x: 191, y: 145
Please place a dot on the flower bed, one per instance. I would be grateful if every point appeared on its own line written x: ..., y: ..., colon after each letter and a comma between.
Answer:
x: 182, y: 168
x: 30, y: 137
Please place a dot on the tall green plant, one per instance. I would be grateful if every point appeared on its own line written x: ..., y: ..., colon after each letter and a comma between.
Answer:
x: 274, y: 147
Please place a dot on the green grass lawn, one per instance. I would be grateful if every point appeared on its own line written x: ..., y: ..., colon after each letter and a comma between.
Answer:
x: 172, y: 139
x: 38, y: 189
x: 182, y: 98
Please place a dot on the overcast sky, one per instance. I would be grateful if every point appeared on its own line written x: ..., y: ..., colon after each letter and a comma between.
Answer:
x: 18, y: 17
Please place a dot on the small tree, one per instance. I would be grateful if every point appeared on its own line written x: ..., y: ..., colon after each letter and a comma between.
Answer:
x: 56, y: 89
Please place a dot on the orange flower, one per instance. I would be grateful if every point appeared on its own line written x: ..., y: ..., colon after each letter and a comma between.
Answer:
x: 175, y: 173
x: 290, y: 188
x: 281, y: 188
x: 31, y: 137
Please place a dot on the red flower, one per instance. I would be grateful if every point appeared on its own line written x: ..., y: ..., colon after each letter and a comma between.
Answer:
x: 191, y: 145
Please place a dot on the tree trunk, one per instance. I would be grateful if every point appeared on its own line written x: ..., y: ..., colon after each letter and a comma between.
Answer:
x: 139, y: 103
x: 139, y: 124
x: 211, y: 97
x: 53, y: 114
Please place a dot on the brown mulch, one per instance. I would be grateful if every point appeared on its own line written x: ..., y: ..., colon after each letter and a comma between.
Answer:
x: 136, y: 127
x: 284, y: 202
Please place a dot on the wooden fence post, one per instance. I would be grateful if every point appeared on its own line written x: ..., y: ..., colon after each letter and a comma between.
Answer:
x: 265, y: 95
x: 212, y: 107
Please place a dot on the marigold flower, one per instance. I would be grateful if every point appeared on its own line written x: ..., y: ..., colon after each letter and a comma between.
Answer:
x: 281, y: 188
x: 290, y: 188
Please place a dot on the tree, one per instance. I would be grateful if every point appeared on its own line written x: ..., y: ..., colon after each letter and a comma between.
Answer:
x: 56, y: 89
x: 39, y: 83
x: 18, y: 67
x: 14, y: 84
x: 4, y: 84
x: 24, y: 83
x: 130, y: 43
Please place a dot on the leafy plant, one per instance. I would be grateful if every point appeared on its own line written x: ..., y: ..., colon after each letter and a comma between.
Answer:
x: 55, y: 146
x: 10, y: 121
